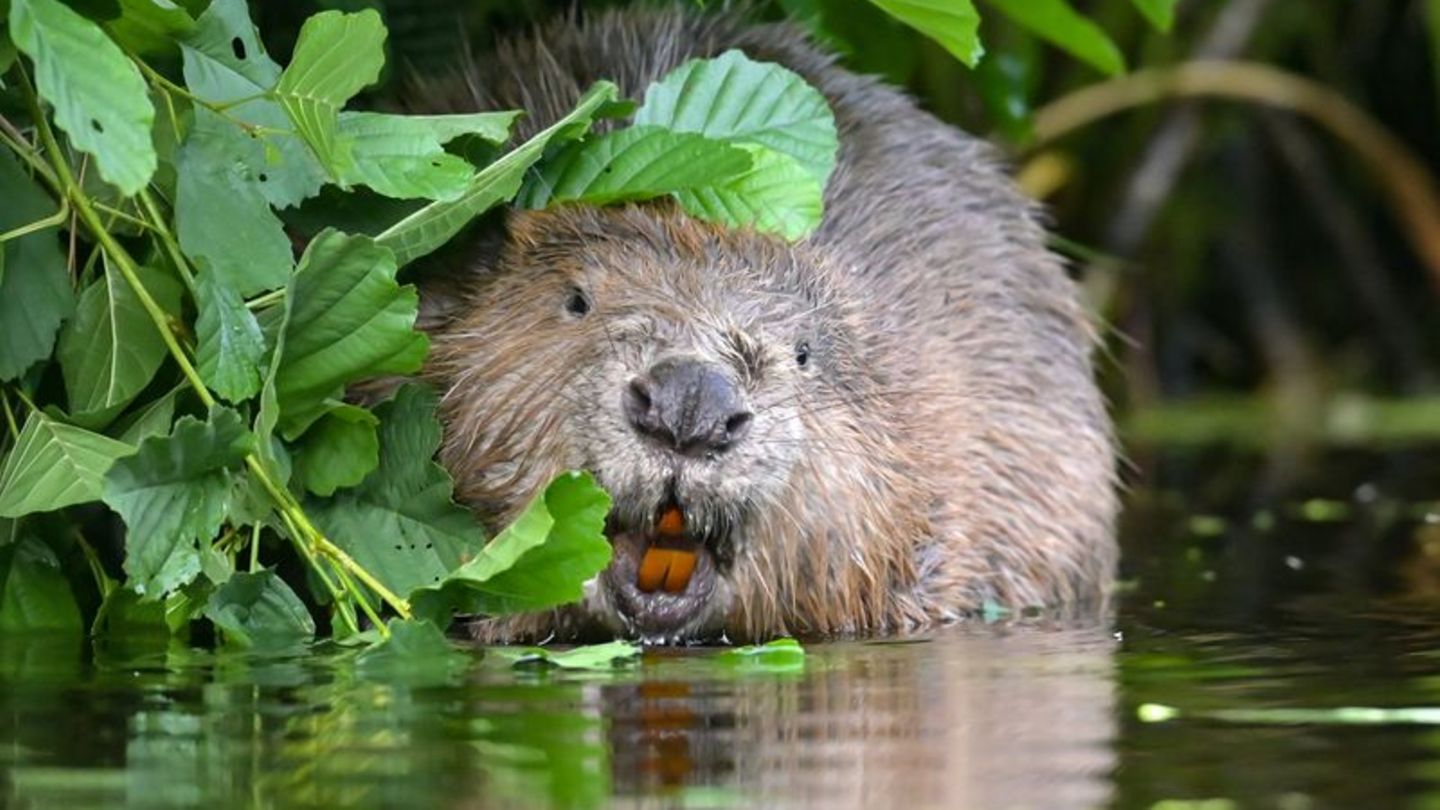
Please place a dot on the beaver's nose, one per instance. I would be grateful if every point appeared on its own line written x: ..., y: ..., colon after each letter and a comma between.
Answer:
x: 691, y: 407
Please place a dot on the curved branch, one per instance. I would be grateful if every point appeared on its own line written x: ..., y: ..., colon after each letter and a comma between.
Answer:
x: 1407, y: 181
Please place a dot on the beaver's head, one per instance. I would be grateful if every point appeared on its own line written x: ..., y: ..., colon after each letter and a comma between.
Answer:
x: 710, y: 379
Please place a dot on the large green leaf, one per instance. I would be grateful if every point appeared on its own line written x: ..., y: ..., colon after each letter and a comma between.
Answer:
x: 1067, y: 29
x: 403, y: 156
x: 153, y: 419
x: 54, y: 465
x: 1160, y: 13
x: 222, y: 216
x: 733, y: 98
x: 35, y: 293
x: 149, y: 26
x: 541, y: 560
x: 400, y: 523
x: 339, y: 450
x: 953, y: 23
x: 112, y: 349
x: 345, y: 319
x: 337, y: 56
x: 226, y: 63
x: 173, y: 495
x: 259, y: 610
x: 638, y: 163
x: 230, y: 346
x: 99, y: 97
x: 776, y: 195
x: 34, y: 593
x: 432, y: 226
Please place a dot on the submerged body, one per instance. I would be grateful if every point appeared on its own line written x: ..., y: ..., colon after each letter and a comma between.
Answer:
x: 888, y: 424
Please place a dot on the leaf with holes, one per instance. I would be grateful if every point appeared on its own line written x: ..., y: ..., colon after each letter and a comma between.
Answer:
x: 638, y: 163
x: 35, y: 293
x: 1058, y: 23
x: 54, y: 465
x: 336, y: 57
x: 541, y: 560
x: 98, y: 95
x: 734, y: 98
x: 432, y: 226
x: 403, y: 156
x: 225, y: 63
x: 955, y: 24
x: 173, y: 494
x: 345, y: 319
x: 230, y: 346
x: 111, y: 350
x: 400, y: 523
x: 777, y: 195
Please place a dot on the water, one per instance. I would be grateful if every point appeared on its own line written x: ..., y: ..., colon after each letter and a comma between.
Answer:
x: 1278, y: 645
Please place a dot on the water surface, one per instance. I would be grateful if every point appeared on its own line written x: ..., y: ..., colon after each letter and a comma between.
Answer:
x: 1277, y: 644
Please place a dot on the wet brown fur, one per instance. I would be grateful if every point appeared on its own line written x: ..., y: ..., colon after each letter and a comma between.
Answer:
x: 955, y: 451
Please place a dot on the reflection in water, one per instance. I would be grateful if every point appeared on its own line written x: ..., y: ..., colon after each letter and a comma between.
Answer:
x: 981, y: 718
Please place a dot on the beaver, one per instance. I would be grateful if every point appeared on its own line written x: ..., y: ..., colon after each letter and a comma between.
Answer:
x: 888, y: 424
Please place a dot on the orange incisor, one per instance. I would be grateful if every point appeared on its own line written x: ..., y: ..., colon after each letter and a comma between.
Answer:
x: 670, y: 568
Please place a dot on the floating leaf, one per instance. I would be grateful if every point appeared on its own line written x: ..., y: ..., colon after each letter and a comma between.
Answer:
x: 259, y: 610
x: 345, y: 319
x: 1056, y: 22
x: 637, y: 163
x: 780, y: 655
x: 400, y: 523
x: 432, y: 226
x: 99, y: 97
x: 592, y: 657
x: 338, y: 451
x: 54, y: 465
x: 222, y: 216
x: 953, y: 23
x: 225, y: 63
x: 229, y: 344
x: 35, y: 293
x: 403, y: 156
x: 776, y: 195
x: 413, y: 651
x: 34, y: 593
x: 173, y: 494
x: 541, y: 560
x: 336, y: 56
x: 734, y: 98
x: 112, y: 349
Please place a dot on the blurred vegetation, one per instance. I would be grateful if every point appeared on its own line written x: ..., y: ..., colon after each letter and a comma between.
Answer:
x: 1258, y: 274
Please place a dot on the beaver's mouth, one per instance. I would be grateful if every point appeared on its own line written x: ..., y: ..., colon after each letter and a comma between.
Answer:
x: 664, y: 571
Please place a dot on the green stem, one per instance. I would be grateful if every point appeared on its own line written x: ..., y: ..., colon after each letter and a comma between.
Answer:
x: 364, y: 603
x: 255, y: 548
x: 57, y: 218
x: 172, y: 246
x: 103, y: 583
x: 347, y: 613
x: 269, y: 299
x: 9, y: 416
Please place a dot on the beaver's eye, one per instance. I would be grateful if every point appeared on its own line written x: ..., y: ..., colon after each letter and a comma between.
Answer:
x: 802, y: 354
x: 577, y: 304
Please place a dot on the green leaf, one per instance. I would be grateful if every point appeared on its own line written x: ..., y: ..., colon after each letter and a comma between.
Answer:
x: 592, y: 657
x: 780, y: 655
x: 229, y: 344
x: 152, y: 420
x: 1056, y: 22
x: 336, y: 56
x: 173, y: 494
x: 953, y: 23
x: 1160, y: 13
x: 541, y: 560
x: 222, y: 215
x: 733, y: 98
x: 225, y: 63
x: 637, y: 163
x: 99, y: 97
x: 777, y: 195
x: 339, y: 450
x: 259, y: 610
x: 403, y: 156
x: 35, y: 293
x: 34, y: 593
x: 149, y: 26
x: 413, y: 649
x: 111, y: 350
x: 345, y: 319
x: 54, y: 465
x: 432, y: 226
x: 400, y: 523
